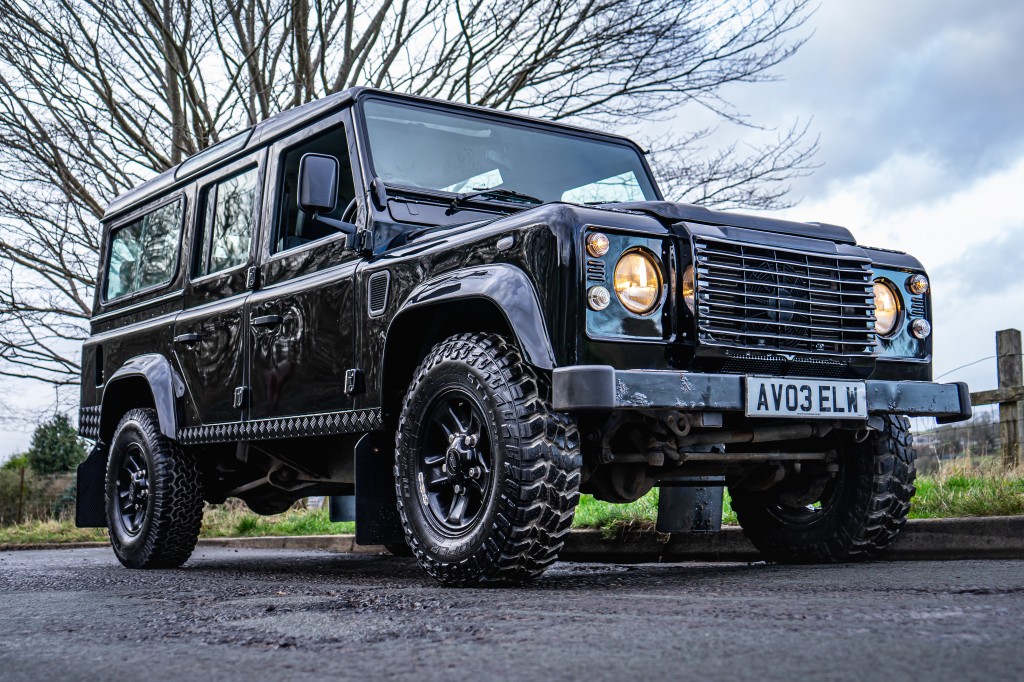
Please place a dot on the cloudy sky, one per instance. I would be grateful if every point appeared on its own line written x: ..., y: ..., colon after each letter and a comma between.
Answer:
x: 918, y: 107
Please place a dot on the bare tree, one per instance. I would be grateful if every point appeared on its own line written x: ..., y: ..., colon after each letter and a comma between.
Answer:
x: 98, y: 95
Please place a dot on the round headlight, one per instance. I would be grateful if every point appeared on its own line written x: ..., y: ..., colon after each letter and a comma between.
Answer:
x: 917, y: 284
x: 689, y: 289
x: 887, y: 308
x: 638, y: 282
x: 597, y: 244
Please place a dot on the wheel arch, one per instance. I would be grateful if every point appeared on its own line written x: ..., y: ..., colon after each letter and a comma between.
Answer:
x: 498, y: 298
x: 143, y: 381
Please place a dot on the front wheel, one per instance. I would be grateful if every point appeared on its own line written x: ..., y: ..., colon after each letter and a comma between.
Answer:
x: 153, y: 495
x: 486, y: 474
x: 852, y: 514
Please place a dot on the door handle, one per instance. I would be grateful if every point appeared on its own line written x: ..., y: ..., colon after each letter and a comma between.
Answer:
x: 267, y: 321
x: 188, y: 339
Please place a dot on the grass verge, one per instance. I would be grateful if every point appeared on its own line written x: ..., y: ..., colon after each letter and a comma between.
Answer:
x: 956, y: 490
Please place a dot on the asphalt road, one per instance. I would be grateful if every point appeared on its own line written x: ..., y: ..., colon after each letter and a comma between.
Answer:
x: 276, y: 614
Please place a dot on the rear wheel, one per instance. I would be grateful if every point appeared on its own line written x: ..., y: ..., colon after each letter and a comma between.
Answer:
x: 153, y: 495
x: 857, y: 512
x: 487, y: 475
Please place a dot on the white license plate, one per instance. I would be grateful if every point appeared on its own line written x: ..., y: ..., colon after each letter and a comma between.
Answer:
x: 771, y: 397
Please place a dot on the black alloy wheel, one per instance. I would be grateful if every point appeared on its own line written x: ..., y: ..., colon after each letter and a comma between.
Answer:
x: 133, y: 490
x: 454, y: 460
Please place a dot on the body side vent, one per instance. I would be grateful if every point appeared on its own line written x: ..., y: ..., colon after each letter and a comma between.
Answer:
x: 377, y: 293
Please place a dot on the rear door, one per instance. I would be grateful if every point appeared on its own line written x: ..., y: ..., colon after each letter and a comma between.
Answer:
x: 210, y: 335
x: 301, y: 318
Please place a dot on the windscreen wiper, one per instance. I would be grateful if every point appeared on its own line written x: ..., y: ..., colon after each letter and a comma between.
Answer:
x: 496, y: 193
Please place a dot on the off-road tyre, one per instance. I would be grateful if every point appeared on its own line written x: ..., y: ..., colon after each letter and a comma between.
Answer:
x: 535, y: 461
x: 173, y: 511
x: 868, y: 504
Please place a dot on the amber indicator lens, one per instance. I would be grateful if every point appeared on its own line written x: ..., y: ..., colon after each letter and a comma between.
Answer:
x: 887, y: 308
x: 638, y: 282
x: 597, y: 244
x: 689, y: 289
x: 917, y: 284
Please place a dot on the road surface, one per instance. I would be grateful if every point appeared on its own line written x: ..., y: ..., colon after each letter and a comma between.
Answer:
x: 276, y: 614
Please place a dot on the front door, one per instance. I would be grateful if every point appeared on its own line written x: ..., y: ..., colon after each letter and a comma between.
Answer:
x: 210, y: 334
x: 301, y: 337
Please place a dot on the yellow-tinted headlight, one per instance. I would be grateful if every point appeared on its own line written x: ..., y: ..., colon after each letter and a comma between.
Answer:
x: 638, y: 282
x: 887, y: 308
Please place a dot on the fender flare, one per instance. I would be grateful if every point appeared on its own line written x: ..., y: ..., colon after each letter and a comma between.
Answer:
x: 164, y: 384
x: 507, y: 287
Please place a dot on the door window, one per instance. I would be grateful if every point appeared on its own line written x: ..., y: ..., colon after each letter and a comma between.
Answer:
x: 228, y: 212
x: 143, y: 252
x: 295, y: 228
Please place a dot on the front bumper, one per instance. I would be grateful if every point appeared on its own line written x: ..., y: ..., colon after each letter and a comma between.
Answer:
x: 601, y: 387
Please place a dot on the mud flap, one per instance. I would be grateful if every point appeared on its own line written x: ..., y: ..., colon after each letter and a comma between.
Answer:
x: 90, y: 499
x: 377, y: 521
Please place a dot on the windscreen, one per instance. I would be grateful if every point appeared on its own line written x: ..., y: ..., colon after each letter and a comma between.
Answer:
x: 454, y: 152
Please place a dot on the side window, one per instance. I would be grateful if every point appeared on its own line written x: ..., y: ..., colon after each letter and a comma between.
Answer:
x: 294, y: 228
x: 226, y: 234
x: 143, y: 252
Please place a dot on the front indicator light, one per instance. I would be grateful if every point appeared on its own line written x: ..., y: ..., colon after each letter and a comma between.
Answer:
x: 887, y: 308
x: 597, y: 244
x: 598, y: 298
x: 689, y: 289
x: 638, y: 282
x: 917, y: 284
x: 921, y: 328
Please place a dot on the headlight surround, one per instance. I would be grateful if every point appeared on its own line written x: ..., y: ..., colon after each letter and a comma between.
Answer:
x: 637, y: 281
x: 888, y: 308
x: 689, y: 289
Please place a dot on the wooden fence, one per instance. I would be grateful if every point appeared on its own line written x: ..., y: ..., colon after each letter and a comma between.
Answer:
x: 1009, y: 396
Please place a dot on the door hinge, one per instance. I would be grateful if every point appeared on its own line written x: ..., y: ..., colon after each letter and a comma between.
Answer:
x: 354, y: 383
x: 252, y: 278
x: 241, y: 400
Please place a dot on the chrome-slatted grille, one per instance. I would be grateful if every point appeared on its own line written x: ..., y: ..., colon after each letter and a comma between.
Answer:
x: 769, y: 299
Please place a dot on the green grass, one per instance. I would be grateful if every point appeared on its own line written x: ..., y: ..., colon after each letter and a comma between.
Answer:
x: 957, y: 490
x: 35, y: 532
x: 231, y: 521
x: 639, y: 515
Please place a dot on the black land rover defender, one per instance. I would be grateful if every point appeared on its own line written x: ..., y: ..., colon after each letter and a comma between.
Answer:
x: 465, y: 319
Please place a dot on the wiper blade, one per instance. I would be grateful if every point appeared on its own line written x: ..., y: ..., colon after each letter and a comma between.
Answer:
x: 496, y: 193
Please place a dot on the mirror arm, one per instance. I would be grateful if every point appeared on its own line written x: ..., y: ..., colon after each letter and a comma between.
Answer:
x: 339, y: 225
x: 379, y: 193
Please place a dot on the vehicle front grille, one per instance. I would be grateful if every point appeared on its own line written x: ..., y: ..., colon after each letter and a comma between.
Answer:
x: 791, y: 302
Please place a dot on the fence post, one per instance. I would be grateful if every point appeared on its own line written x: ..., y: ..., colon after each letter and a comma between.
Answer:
x: 1009, y: 371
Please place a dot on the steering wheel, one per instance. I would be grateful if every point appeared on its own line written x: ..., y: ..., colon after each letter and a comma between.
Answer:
x: 349, y: 214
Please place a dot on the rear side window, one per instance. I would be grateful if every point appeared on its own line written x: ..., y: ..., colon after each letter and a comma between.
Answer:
x: 143, y: 252
x: 226, y: 235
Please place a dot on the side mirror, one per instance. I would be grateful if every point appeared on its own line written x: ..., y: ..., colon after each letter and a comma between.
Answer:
x: 318, y: 183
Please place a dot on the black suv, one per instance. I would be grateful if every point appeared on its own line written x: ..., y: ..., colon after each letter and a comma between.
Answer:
x: 466, y: 318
